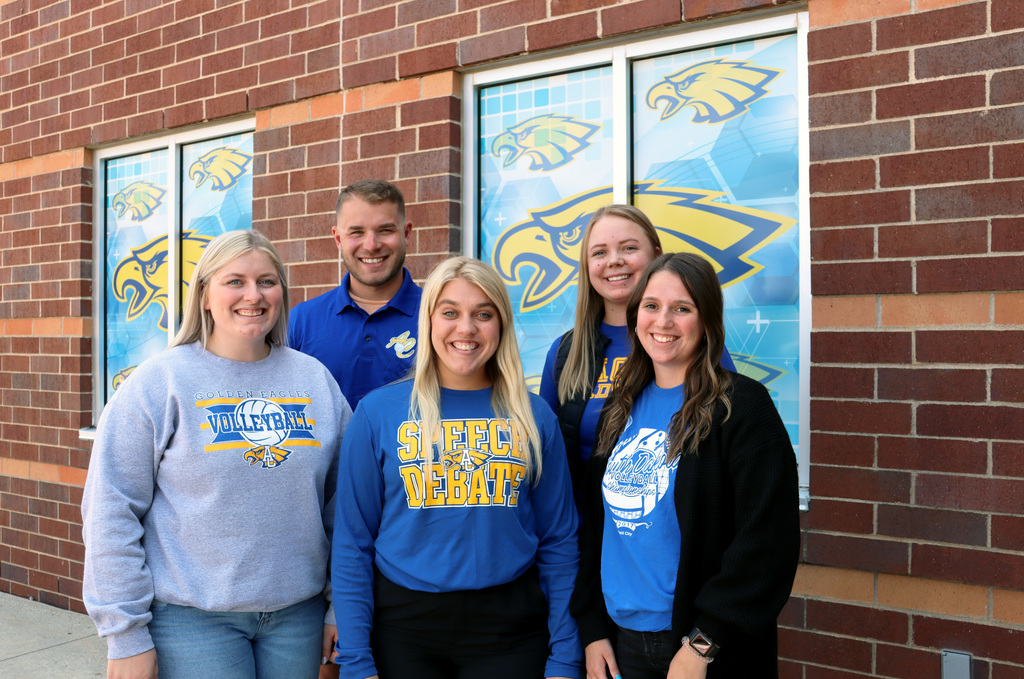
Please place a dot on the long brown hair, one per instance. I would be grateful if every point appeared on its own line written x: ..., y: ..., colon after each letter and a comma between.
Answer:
x: 575, y: 378
x: 706, y: 381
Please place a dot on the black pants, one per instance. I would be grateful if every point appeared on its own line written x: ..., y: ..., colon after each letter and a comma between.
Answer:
x: 494, y: 633
x: 645, y: 655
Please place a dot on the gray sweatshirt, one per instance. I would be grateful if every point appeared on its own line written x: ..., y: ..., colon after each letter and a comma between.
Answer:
x: 211, y: 485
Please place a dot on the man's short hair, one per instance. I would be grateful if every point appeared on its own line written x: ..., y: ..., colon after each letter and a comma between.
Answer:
x: 374, y: 192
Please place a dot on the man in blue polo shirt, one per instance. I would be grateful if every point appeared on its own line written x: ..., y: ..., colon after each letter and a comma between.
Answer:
x: 364, y: 330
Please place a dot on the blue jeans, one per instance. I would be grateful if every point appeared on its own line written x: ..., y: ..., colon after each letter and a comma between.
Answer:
x: 195, y: 644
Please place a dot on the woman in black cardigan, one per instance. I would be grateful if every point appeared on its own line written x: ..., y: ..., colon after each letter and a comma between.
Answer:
x: 688, y: 587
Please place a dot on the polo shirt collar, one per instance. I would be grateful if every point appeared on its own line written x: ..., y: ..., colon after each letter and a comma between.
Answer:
x: 406, y: 300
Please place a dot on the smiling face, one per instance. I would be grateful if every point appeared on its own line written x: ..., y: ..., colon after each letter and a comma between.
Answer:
x: 371, y: 239
x: 244, y: 297
x: 617, y: 252
x: 465, y: 329
x: 669, y: 328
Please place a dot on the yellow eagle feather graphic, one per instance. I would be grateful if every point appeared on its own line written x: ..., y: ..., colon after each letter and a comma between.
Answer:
x: 140, y: 198
x: 465, y: 459
x: 550, y: 141
x: 141, y: 278
x: 543, y: 251
x: 222, y: 166
x: 718, y: 89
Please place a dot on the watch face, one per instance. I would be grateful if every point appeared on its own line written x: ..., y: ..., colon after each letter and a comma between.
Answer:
x: 703, y: 645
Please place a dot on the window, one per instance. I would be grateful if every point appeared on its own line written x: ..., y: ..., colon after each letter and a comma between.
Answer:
x: 706, y: 132
x: 158, y: 203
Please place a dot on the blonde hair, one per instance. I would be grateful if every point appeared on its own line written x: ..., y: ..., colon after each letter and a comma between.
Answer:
x: 509, y: 395
x: 196, y: 321
x: 575, y: 378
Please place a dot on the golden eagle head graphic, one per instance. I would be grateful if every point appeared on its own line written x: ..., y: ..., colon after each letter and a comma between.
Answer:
x: 543, y: 251
x: 140, y: 279
x: 120, y: 376
x: 222, y: 166
x: 549, y: 141
x: 718, y: 89
x: 140, y: 198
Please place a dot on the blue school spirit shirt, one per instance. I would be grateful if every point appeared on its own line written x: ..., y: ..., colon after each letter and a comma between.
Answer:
x: 473, y: 522
x: 614, y: 356
x: 362, y: 351
x: 640, y: 549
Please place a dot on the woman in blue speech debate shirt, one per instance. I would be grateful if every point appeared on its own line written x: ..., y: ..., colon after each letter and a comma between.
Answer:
x: 455, y: 539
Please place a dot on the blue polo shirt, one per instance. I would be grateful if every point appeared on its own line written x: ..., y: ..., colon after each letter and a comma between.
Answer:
x: 361, y: 350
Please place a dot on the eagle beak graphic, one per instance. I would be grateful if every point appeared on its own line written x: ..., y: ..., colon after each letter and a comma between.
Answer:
x: 129, y: 286
x: 506, y: 141
x: 120, y: 204
x: 197, y: 173
x: 530, y: 246
x: 666, y: 92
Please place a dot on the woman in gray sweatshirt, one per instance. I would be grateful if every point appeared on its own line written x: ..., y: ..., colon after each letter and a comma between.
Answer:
x: 208, y: 509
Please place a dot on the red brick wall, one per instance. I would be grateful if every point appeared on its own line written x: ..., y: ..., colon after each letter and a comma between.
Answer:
x: 913, y: 542
x: 45, y: 373
x: 914, y: 537
x: 76, y: 74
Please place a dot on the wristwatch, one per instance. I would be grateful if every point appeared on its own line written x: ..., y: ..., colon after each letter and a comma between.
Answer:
x: 702, y: 644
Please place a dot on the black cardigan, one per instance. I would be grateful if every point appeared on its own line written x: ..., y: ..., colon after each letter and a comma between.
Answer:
x: 737, y: 505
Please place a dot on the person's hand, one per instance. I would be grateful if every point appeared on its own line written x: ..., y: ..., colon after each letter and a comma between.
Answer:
x: 329, y: 670
x: 141, y: 666
x: 686, y: 665
x: 330, y: 638
x: 601, y: 660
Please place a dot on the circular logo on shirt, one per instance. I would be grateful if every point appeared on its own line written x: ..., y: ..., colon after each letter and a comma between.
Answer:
x: 259, y: 412
x: 637, y: 478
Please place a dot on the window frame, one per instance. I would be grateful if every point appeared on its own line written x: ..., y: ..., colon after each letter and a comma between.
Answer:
x: 173, y: 143
x: 620, y: 55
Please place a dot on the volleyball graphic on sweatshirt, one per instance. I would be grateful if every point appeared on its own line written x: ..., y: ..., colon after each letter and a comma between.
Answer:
x: 262, y: 410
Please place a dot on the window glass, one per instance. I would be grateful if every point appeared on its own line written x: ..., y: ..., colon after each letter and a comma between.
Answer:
x: 715, y: 164
x: 545, y: 152
x: 137, y: 218
x: 214, y: 193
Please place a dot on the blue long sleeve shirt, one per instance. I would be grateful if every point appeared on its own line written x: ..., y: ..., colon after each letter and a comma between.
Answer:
x: 473, y: 521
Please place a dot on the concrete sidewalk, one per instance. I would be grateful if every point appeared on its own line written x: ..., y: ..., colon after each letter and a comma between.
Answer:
x: 38, y: 641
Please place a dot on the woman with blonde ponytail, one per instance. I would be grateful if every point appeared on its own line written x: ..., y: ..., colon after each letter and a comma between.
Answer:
x: 455, y: 539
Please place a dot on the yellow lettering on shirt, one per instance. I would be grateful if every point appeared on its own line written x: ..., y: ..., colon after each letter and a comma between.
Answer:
x: 478, y: 494
x: 412, y: 476
x: 607, y: 379
x: 480, y: 463
x: 409, y: 441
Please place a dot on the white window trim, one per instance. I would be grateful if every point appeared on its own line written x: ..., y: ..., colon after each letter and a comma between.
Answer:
x: 620, y: 56
x: 173, y: 143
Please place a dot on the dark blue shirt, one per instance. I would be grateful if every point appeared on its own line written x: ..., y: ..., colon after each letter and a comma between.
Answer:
x: 363, y: 351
